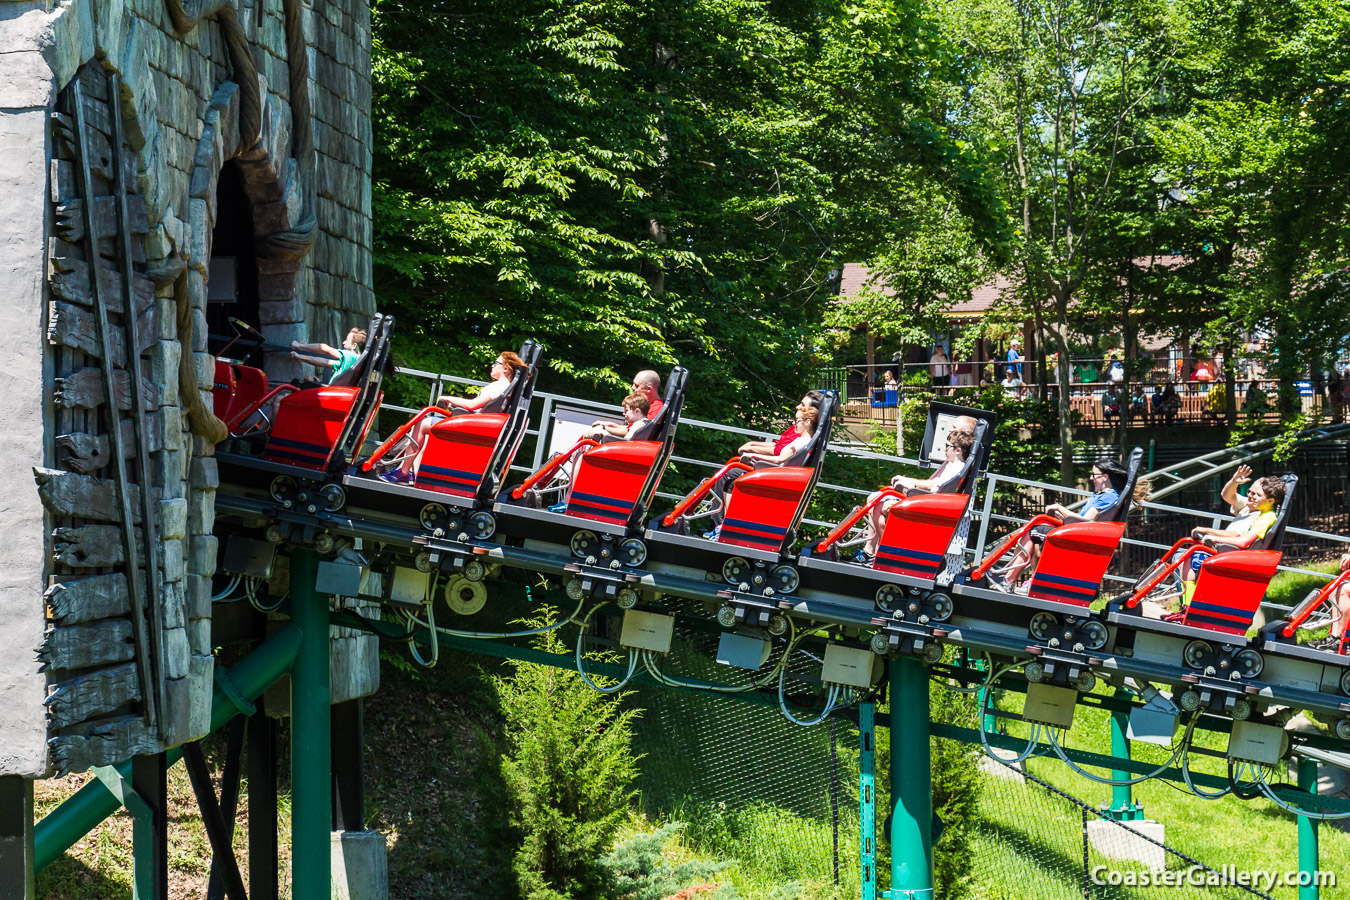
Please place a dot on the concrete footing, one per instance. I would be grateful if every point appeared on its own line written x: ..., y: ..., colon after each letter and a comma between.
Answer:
x: 16, y: 838
x: 360, y: 866
x: 1121, y: 840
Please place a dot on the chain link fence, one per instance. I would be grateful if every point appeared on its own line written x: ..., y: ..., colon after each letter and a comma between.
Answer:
x: 780, y: 803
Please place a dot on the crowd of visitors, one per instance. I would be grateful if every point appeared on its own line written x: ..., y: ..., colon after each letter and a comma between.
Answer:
x: 1120, y: 389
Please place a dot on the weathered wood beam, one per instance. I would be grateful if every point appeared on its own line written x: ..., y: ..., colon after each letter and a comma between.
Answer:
x: 89, y: 546
x: 70, y: 218
x: 130, y: 217
x: 69, y: 278
x: 101, y: 743
x: 76, y: 600
x: 85, y: 646
x: 82, y: 452
x: 92, y: 694
x: 70, y: 326
x: 82, y: 496
x: 85, y: 389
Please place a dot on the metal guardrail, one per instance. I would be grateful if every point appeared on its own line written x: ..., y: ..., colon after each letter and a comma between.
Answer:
x: 985, y: 492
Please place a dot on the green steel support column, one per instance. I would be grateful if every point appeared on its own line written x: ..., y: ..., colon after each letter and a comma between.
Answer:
x: 991, y: 721
x: 1307, y: 835
x: 1123, y: 808
x: 911, y: 783
x: 94, y: 802
x: 311, y: 740
x: 867, y: 798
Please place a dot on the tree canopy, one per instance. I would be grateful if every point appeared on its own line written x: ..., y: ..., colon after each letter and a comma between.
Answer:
x: 637, y: 185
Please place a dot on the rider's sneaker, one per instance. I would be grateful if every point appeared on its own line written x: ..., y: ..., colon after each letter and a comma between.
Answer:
x: 997, y: 583
x: 558, y: 507
x: 396, y: 476
x: 1024, y: 588
x: 862, y: 556
x: 1330, y: 642
x: 714, y: 534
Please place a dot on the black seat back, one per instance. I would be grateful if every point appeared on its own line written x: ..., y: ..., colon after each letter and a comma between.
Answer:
x: 367, y: 375
x: 515, y: 402
x: 1120, y: 510
x: 661, y: 428
x: 1274, y: 538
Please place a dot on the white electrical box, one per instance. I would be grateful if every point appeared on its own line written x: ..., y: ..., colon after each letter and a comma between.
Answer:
x: 855, y: 667
x: 742, y: 651
x: 1254, y: 742
x: 1050, y: 704
x: 647, y: 631
x: 408, y: 586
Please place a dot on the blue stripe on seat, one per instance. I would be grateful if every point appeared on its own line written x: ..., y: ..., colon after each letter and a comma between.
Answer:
x: 307, y: 458
x: 911, y: 554
x: 930, y: 568
x: 742, y: 523
x: 607, y: 501
x: 750, y: 537
x: 575, y: 506
x: 423, y: 475
x: 1067, y: 582
x: 451, y: 473
x: 1201, y: 619
x: 1071, y: 593
x: 1221, y: 609
x: 299, y: 445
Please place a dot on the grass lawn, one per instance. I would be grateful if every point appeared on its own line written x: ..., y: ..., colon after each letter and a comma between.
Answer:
x: 1031, y: 845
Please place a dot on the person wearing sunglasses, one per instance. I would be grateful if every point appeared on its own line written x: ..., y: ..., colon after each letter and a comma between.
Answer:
x: 503, y: 369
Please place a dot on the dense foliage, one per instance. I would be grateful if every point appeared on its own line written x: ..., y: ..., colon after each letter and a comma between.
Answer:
x: 643, y: 184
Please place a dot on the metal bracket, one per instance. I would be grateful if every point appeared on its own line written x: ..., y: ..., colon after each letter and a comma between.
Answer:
x: 120, y: 788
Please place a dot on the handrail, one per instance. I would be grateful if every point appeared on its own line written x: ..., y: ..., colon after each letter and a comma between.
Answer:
x: 397, y: 436
x: 855, y: 517
x: 1322, y: 594
x: 983, y: 568
x: 994, y: 480
x: 706, y: 485
x: 258, y: 404
x: 1175, y: 558
x: 552, y: 466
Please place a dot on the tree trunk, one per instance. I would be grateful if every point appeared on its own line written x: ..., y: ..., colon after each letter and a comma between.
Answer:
x: 1065, y: 406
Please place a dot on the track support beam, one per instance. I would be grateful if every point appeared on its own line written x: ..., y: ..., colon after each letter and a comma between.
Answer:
x: 1307, y: 835
x: 311, y: 737
x: 911, y: 782
x: 1123, y: 808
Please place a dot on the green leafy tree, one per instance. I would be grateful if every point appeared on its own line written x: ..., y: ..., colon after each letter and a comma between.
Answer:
x: 569, y: 771
x: 637, y: 184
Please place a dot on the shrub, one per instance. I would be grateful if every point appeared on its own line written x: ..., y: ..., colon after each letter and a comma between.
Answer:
x: 569, y: 773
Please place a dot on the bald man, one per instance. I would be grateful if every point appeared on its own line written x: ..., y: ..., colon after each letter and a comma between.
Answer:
x: 648, y: 384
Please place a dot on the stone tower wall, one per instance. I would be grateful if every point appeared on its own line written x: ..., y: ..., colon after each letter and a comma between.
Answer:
x: 193, y: 95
